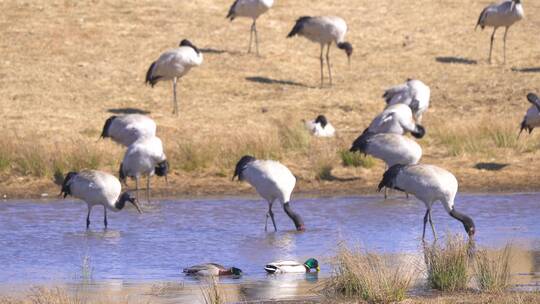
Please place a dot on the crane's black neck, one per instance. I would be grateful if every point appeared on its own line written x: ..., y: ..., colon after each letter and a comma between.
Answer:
x: 467, y: 222
x: 298, y: 222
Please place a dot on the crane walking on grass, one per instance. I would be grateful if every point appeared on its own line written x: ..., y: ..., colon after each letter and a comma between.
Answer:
x: 252, y: 9
x: 429, y: 184
x: 144, y: 157
x: 126, y: 129
x: 504, y: 14
x: 324, y: 30
x: 97, y: 188
x: 273, y: 181
x: 173, y: 65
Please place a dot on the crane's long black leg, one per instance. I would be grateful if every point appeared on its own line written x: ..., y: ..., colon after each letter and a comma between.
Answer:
x: 105, y: 216
x: 504, y: 44
x: 256, y: 36
x: 322, y: 64
x: 251, y: 36
x: 491, y: 44
x: 425, y: 222
x: 328, y: 63
x: 88, y: 218
x: 432, y: 227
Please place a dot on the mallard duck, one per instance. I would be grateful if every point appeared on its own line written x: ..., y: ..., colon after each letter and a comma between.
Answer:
x: 212, y: 269
x: 292, y: 266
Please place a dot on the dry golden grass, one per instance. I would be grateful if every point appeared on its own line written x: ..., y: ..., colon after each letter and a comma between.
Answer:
x: 368, y: 276
x: 65, y: 64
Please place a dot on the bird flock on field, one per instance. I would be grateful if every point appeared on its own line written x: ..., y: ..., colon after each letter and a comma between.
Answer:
x: 385, y: 138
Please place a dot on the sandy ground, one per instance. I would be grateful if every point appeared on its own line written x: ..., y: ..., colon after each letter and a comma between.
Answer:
x: 68, y: 65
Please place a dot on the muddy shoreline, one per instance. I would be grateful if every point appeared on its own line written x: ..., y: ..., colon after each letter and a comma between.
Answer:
x: 188, y: 186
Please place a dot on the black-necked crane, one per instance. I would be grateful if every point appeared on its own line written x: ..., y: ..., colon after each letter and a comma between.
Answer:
x: 145, y: 157
x: 324, y: 30
x: 532, y: 117
x: 320, y: 127
x: 97, y: 188
x: 273, y: 181
x: 173, y: 65
x: 393, y: 149
x: 396, y: 119
x: 429, y: 184
x: 126, y: 129
x: 413, y: 93
x: 505, y: 13
x: 251, y: 9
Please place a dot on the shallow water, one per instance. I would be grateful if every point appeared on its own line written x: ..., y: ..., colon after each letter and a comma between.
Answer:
x: 44, y: 242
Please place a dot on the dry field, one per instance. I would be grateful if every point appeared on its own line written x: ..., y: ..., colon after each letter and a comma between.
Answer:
x: 68, y: 65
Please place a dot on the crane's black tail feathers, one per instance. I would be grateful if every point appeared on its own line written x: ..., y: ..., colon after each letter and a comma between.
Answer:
x: 480, y: 19
x: 150, y: 77
x: 533, y: 98
x: 361, y: 143
x: 232, y: 11
x: 298, y: 26
x: 389, y: 178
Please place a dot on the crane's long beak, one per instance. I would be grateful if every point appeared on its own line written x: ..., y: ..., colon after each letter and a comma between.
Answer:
x: 136, y: 204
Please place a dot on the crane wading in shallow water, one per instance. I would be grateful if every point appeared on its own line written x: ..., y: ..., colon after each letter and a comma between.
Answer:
x: 173, y: 65
x: 97, y: 188
x: 145, y: 157
x: 429, y: 184
x: 504, y: 14
x: 324, y: 30
x: 252, y: 9
x: 273, y: 181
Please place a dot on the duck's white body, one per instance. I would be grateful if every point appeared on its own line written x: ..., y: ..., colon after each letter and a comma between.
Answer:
x: 413, y: 93
x: 395, y: 119
x: 286, y: 267
x: 318, y: 130
x: 126, y: 129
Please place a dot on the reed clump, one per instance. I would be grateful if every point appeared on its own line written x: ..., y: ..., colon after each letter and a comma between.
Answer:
x: 212, y: 293
x: 368, y: 276
x: 352, y: 159
x: 447, y: 264
x: 492, y: 272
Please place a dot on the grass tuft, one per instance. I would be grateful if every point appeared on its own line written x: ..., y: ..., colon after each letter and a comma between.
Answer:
x: 212, y: 292
x: 493, y: 272
x: 352, y: 159
x: 41, y: 295
x: 447, y: 264
x: 368, y: 276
